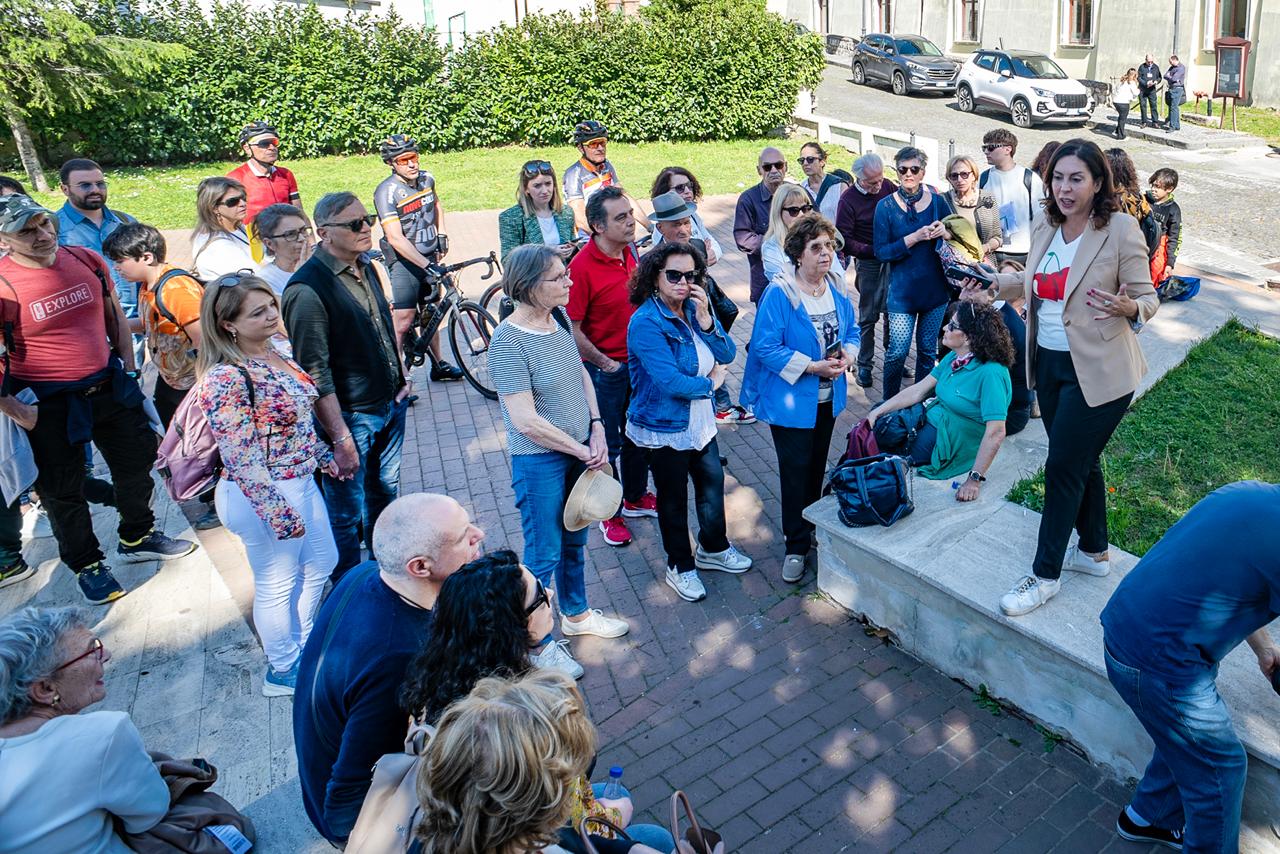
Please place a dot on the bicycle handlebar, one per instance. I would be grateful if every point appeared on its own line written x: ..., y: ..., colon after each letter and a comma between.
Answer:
x: 491, y: 260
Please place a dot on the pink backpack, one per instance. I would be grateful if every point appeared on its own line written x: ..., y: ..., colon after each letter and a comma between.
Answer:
x: 188, y: 459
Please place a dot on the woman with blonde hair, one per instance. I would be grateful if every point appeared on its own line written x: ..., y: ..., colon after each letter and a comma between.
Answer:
x: 220, y: 244
x: 259, y: 405
x: 1123, y: 94
x: 500, y: 770
x: 789, y: 204
x: 539, y: 214
x: 973, y: 203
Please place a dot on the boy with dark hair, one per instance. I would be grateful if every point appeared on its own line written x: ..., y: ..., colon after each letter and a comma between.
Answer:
x: 1168, y: 217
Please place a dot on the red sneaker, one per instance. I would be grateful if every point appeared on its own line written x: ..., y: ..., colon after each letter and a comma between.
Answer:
x: 615, y: 531
x: 646, y: 506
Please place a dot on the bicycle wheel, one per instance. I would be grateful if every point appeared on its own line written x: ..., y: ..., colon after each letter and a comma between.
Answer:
x: 470, y: 328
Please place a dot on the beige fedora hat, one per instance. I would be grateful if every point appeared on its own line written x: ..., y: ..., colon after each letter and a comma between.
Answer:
x: 594, y: 498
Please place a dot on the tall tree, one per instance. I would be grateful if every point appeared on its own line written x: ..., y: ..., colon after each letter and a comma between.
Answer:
x: 54, y: 61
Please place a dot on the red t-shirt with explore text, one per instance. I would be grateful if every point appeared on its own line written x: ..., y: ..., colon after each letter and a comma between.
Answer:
x: 60, y: 330
x: 599, y: 299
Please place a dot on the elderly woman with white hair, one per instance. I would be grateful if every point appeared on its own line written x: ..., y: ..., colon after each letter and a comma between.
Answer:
x: 66, y: 777
x: 855, y: 220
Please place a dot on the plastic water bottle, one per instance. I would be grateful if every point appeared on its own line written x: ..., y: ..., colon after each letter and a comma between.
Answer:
x: 613, y: 789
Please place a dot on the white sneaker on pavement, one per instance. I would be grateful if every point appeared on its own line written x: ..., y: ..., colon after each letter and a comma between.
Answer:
x: 1078, y: 561
x: 35, y: 524
x: 555, y: 656
x: 793, y: 568
x: 687, y: 585
x: 1028, y: 594
x: 729, y: 560
x: 596, y: 624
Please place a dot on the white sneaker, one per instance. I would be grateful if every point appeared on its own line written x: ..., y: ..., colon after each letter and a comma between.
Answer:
x: 1078, y: 561
x: 687, y: 585
x: 729, y: 560
x: 793, y: 568
x: 35, y: 524
x: 596, y: 624
x: 555, y: 656
x: 1028, y: 594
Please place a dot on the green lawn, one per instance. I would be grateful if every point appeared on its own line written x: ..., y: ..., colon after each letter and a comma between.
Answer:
x: 477, y: 179
x: 1259, y: 121
x: 1208, y: 422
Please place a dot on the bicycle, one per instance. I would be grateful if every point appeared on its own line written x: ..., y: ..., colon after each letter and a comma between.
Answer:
x: 470, y: 325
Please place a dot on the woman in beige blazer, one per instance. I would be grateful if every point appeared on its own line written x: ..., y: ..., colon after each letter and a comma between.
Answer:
x: 1088, y: 292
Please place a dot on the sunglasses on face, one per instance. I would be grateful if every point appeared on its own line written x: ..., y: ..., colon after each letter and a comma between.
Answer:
x: 910, y: 170
x: 686, y: 187
x: 295, y: 235
x: 405, y: 160
x: 806, y: 159
x: 956, y: 176
x: 993, y: 147
x: 86, y: 186
x: 796, y: 210
x: 232, y: 201
x: 595, y: 143
x: 356, y: 225
x: 95, y: 649
x: 266, y: 143
x: 775, y: 166
x: 953, y: 326
x: 675, y: 277
x: 540, y: 597
x: 537, y: 167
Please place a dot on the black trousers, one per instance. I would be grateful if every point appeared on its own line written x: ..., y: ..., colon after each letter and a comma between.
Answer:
x: 672, y: 471
x: 1148, y: 97
x: 1122, y: 111
x: 167, y: 398
x: 128, y: 445
x: 802, y: 463
x: 1075, y: 495
x: 872, y: 293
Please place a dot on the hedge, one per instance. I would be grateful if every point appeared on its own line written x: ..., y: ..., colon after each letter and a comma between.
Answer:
x: 682, y: 69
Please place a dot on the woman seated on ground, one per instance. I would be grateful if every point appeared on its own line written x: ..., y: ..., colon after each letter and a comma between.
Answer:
x: 679, y: 357
x: 66, y: 778
x: 489, y: 615
x: 539, y: 214
x: 220, y: 243
x: 790, y: 202
x: 679, y: 180
x: 267, y: 495
x: 967, y: 396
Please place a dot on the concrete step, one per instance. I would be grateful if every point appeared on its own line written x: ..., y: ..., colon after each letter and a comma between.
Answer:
x: 1192, y: 136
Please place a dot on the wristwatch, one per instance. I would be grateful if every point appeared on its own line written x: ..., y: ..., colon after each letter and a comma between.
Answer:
x: 976, y: 475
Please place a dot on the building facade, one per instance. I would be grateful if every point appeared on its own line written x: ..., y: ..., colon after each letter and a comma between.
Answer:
x: 1090, y: 39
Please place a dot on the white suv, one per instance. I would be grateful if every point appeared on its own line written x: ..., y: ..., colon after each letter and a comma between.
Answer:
x: 1030, y: 86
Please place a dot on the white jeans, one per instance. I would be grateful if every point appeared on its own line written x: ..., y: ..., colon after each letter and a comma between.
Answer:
x: 288, y: 575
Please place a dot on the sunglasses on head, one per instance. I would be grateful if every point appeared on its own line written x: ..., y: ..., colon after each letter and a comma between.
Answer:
x: 806, y: 159
x: 775, y: 166
x: 231, y: 280
x: 266, y: 143
x: 910, y: 170
x: 675, y: 277
x: 233, y: 201
x: 356, y: 225
x: 540, y: 597
x: 796, y: 210
x: 537, y: 167
x: 956, y: 176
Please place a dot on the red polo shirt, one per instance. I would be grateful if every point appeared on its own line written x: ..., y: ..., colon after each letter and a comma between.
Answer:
x: 599, y: 299
x: 277, y: 187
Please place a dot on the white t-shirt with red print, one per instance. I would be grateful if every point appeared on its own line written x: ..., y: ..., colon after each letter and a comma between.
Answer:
x: 1050, y: 287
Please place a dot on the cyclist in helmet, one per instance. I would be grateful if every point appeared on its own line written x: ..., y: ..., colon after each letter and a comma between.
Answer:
x: 590, y: 173
x: 265, y: 183
x: 412, y: 220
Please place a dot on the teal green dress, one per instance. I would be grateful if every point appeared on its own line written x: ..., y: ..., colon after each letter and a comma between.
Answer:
x: 963, y: 404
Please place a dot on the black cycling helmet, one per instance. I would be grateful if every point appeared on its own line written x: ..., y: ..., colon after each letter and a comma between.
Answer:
x: 395, y: 145
x: 253, y: 129
x: 589, y: 130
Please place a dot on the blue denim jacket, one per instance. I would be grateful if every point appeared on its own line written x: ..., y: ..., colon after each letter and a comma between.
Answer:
x: 783, y: 343
x: 663, y: 362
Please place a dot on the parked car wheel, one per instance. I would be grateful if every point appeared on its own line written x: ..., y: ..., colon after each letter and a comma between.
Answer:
x: 964, y: 98
x: 899, y: 83
x: 1020, y: 112
x: 859, y: 75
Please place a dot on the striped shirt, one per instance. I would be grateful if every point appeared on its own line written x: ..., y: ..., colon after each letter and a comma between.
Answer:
x: 548, y: 365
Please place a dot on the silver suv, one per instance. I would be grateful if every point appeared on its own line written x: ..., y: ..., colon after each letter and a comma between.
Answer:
x: 1030, y: 86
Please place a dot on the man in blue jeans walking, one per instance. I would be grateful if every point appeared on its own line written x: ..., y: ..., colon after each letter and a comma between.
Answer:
x: 1191, y: 600
x: 340, y: 325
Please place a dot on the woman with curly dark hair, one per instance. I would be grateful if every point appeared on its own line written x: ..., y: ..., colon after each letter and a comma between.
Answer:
x: 489, y: 615
x: 1041, y: 164
x: 966, y: 398
x: 679, y: 180
x: 1089, y: 292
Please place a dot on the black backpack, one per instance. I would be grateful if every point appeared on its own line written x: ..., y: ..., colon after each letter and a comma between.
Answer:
x: 158, y: 292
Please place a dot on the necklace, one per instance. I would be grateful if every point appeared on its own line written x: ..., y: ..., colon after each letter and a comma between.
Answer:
x: 812, y: 290
x: 962, y: 204
x: 530, y: 322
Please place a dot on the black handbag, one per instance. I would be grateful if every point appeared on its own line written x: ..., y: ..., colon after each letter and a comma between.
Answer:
x: 725, y: 309
x: 873, y: 490
x: 896, y: 431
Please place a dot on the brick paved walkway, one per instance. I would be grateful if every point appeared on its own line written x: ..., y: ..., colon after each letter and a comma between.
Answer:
x: 791, y: 728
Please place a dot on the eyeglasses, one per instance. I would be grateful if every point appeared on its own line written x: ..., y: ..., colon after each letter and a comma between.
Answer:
x: 233, y: 201
x: 807, y: 159
x: 410, y: 159
x: 537, y: 167
x: 775, y: 166
x: 356, y: 225
x: 293, y: 235
x: 266, y: 143
x: 989, y: 147
x: 910, y: 170
x: 796, y: 210
x: 540, y: 597
x: 675, y: 277
x: 86, y: 186
x: 95, y: 649
x: 595, y: 143
x: 563, y: 277
x: 956, y: 176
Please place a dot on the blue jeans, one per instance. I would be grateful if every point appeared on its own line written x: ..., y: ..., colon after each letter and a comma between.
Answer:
x: 1177, y: 96
x: 613, y: 395
x: 657, y: 838
x: 542, y: 483
x: 927, y: 327
x: 354, y: 505
x: 1197, y: 771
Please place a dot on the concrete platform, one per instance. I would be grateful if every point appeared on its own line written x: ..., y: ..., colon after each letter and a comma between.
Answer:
x: 1192, y: 136
x: 934, y: 580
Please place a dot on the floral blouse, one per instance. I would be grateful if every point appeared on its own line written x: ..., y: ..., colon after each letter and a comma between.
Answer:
x: 276, y: 442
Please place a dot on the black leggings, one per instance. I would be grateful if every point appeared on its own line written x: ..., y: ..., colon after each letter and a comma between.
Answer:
x: 672, y: 471
x: 802, y: 463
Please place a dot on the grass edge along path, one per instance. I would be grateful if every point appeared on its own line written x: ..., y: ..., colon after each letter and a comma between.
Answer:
x: 473, y: 179
x: 1208, y: 422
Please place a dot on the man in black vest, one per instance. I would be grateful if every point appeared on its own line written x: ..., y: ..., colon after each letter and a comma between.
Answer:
x: 340, y: 326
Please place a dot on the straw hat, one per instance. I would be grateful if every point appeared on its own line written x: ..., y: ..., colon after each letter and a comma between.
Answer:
x: 594, y: 498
